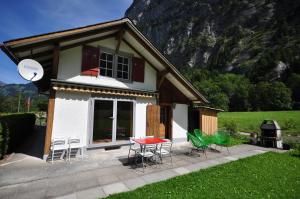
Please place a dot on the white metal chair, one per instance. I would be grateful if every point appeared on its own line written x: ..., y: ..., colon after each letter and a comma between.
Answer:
x: 164, y: 150
x: 145, y: 153
x: 74, y: 143
x: 133, y: 147
x: 58, y: 144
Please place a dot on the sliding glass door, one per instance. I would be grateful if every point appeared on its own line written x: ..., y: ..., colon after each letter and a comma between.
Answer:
x: 113, y: 120
x: 124, y: 120
x: 103, y: 121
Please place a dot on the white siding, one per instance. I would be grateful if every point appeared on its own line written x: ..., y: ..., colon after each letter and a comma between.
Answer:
x: 180, y: 121
x: 69, y: 68
x: 140, y: 116
x: 71, y: 115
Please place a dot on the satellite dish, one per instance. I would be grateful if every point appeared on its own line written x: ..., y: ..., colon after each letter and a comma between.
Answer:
x: 30, y: 70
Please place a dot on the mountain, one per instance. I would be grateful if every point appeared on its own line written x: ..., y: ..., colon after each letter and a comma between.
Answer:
x: 28, y: 90
x: 259, y: 38
x: 2, y: 83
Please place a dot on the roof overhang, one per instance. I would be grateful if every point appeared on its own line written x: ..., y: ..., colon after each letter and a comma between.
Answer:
x: 40, y: 48
x: 59, y: 85
x: 200, y: 107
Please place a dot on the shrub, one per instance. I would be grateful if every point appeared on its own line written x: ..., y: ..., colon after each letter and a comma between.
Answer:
x: 289, y: 124
x: 293, y: 143
x: 14, y: 129
x: 231, y: 127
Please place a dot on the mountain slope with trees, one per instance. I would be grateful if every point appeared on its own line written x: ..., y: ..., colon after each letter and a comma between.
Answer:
x: 11, y: 94
x: 257, y: 42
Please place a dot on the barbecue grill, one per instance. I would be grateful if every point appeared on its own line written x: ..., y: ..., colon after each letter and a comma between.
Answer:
x: 270, y: 134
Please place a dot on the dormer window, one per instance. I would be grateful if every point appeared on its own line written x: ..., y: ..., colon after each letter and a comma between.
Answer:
x: 106, y: 64
x: 115, y: 65
x: 101, y: 61
x: 123, y: 67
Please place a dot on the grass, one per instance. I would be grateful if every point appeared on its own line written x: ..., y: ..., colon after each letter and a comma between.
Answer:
x: 270, y: 175
x: 236, y: 140
x: 250, y: 121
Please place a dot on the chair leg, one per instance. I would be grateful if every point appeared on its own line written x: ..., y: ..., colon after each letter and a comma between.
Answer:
x: 227, y: 149
x: 171, y: 160
x: 52, y: 158
x: 81, y: 153
x: 128, y: 156
x: 143, y: 164
x: 204, y: 151
x: 191, y: 151
x: 69, y: 154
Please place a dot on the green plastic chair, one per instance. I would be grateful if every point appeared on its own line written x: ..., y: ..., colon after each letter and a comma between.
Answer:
x: 206, y: 138
x: 197, y: 132
x: 198, y: 143
x: 222, y: 139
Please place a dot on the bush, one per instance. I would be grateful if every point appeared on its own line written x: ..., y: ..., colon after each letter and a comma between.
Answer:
x: 289, y: 124
x: 14, y: 129
x: 293, y: 143
x: 231, y: 127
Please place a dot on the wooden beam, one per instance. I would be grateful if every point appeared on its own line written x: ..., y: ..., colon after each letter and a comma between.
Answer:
x: 70, y: 37
x: 137, y: 52
x: 51, y: 104
x: 87, y: 41
x: 45, y: 62
x: 50, y: 118
x: 55, y: 61
x: 161, y: 77
x: 37, y: 55
x: 9, y: 54
x: 119, y: 39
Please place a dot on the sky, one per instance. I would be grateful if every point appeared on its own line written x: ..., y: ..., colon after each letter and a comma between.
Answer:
x: 31, y: 17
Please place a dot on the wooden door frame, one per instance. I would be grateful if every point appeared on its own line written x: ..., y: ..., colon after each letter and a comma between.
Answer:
x: 170, y: 118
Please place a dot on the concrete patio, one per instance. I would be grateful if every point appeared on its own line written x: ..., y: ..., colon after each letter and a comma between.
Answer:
x: 102, y: 172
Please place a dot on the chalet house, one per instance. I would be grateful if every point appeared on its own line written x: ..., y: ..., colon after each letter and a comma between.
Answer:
x: 106, y: 82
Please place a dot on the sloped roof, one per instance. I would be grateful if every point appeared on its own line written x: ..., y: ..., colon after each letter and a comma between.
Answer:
x: 40, y: 47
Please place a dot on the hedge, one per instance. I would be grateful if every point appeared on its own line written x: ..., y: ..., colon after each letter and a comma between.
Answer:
x: 14, y: 128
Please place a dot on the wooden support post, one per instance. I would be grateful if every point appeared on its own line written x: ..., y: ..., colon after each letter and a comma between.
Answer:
x: 50, y: 113
x: 119, y: 38
x: 161, y: 77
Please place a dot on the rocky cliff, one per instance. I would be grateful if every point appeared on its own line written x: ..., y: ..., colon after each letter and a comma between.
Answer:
x: 259, y: 38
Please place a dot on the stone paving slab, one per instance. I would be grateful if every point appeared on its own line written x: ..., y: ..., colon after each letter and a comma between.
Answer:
x: 181, y: 170
x: 135, y: 183
x: 93, y: 193
x: 100, y: 177
x: 115, y: 188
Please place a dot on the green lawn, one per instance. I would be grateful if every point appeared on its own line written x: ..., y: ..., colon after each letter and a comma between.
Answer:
x: 250, y: 121
x: 269, y: 175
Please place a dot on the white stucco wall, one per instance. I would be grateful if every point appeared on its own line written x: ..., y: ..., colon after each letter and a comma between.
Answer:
x: 70, y: 115
x: 140, y: 116
x: 180, y: 121
x: 69, y: 68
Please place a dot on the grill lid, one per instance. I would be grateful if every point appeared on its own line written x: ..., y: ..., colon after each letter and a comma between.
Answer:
x: 269, y: 125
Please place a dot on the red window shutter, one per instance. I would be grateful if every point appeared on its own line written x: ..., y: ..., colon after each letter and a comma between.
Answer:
x: 90, y: 61
x: 138, y: 69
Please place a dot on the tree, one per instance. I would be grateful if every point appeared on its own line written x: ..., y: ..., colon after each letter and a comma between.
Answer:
x: 271, y: 96
x: 213, y: 93
x: 293, y: 83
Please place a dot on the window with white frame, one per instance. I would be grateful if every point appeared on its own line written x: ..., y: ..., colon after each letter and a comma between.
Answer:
x: 122, y: 67
x: 115, y: 65
x: 106, y: 64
